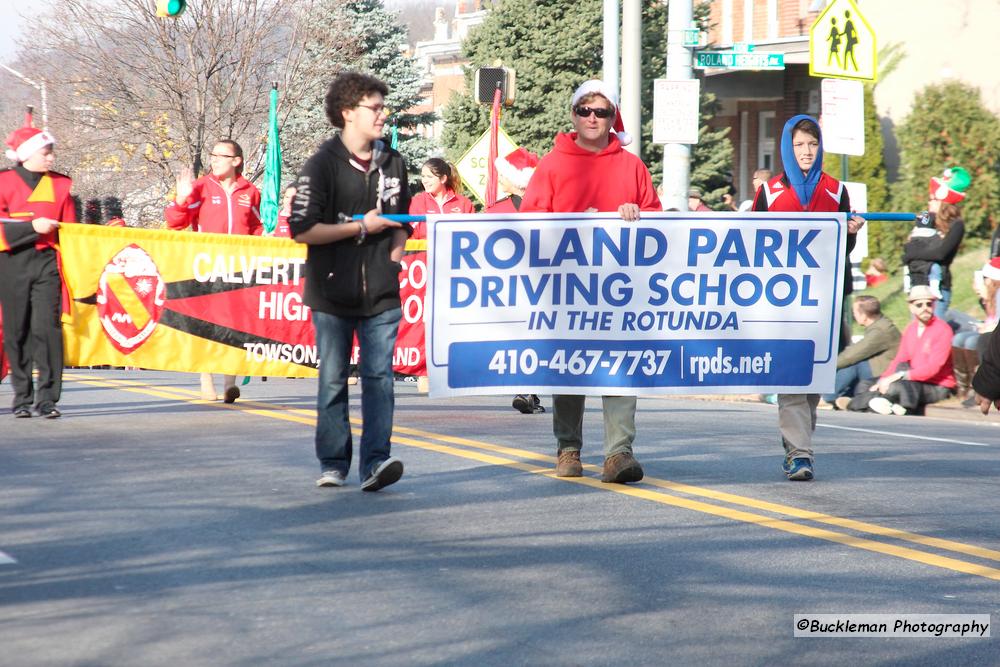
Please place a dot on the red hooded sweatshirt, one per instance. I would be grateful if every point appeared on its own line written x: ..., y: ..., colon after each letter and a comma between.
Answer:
x: 209, y: 208
x: 570, y: 179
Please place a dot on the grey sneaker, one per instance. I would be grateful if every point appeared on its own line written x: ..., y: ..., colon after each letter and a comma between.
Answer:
x: 331, y: 478
x: 386, y: 473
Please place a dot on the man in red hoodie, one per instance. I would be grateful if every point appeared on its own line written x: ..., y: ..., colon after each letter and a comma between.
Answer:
x: 588, y: 171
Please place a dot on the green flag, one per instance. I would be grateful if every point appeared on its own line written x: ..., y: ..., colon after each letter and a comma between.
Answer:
x: 270, y: 196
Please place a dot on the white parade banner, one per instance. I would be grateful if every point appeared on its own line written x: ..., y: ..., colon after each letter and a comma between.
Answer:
x: 676, y: 303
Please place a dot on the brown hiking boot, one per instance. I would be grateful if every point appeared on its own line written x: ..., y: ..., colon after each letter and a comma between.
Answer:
x: 621, y: 469
x: 569, y: 464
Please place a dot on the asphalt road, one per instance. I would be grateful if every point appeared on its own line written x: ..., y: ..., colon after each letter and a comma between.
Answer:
x: 149, y: 528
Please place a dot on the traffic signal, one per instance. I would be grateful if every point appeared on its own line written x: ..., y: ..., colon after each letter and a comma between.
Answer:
x: 170, y: 8
x: 488, y: 79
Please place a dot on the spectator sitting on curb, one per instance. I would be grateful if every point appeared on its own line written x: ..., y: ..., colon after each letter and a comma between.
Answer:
x: 877, y: 272
x: 921, y: 373
x: 870, y: 356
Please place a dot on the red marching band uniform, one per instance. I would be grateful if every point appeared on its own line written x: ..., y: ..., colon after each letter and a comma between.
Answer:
x: 30, y: 283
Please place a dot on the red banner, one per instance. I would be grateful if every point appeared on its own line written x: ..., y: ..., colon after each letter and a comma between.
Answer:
x: 409, y: 357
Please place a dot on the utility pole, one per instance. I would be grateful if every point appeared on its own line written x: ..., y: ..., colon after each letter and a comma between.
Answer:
x: 632, y: 73
x: 677, y: 157
x: 40, y: 87
x: 611, y: 57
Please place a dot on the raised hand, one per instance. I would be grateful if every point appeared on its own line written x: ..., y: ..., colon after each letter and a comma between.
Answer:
x: 185, y: 184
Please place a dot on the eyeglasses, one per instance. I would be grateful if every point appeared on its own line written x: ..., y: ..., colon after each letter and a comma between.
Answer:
x: 376, y: 108
x: 583, y: 112
x: 922, y: 304
x: 220, y: 155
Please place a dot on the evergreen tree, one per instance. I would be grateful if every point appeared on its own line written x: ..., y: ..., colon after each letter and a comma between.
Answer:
x: 328, y: 45
x: 358, y: 35
x: 711, y: 157
x: 949, y: 125
x: 554, y: 46
x: 380, y: 36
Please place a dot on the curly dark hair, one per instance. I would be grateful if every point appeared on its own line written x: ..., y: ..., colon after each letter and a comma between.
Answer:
x: 346, y: 91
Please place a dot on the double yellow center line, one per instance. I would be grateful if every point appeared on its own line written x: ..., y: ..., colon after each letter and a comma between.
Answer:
x: 780, y: 517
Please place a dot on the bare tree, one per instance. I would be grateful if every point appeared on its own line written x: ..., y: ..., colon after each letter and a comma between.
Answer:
x: 136, y: 96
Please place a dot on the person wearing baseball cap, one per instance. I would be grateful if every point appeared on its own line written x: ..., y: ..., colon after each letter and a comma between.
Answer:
x: 34, y: 201
x: 587, y: 170
x: 921, y: 372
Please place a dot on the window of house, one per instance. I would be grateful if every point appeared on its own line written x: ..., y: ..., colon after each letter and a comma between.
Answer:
x: 727, y: 21
x: 748, y: 21
x: 766, y: 135
x: 772, y: 19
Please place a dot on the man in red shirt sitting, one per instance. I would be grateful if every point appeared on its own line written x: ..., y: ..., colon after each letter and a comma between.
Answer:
x: 921, y: 372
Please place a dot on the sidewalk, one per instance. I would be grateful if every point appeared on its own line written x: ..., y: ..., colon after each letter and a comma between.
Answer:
x: 952, y: 409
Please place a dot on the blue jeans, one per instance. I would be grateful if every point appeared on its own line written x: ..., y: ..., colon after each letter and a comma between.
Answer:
x: 943, y: 303
x: 334, y: 340
x: 965, y: 339
x: 847, y: 380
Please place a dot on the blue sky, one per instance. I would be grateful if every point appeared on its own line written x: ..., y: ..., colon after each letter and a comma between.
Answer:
x: 11, y: 22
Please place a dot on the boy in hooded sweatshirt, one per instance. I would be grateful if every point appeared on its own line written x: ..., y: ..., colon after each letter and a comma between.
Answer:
x: 588, y: 171
x: 804, y: 188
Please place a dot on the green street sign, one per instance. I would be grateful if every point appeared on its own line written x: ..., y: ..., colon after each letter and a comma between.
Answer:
x: 734, y: 60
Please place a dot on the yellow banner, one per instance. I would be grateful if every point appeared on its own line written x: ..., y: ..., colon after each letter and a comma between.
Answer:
x: 186, y: 301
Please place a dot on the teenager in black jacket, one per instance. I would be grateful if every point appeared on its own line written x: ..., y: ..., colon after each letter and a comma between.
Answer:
x: 352, y: 275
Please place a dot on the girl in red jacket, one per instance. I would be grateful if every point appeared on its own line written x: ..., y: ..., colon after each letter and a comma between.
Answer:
x: 441, y: 185
x: 220, y: 202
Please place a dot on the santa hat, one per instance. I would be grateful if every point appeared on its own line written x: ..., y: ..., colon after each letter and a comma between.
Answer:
x: 991, y: 269
x: 25, y: 141
x: 598, y: 87
x: 950, y: 187
x: 517, y: 167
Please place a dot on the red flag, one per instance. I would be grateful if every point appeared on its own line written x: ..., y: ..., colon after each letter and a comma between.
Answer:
x: 491, y: 168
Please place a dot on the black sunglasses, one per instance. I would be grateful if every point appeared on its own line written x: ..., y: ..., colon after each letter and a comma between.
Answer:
x: 583, y: 112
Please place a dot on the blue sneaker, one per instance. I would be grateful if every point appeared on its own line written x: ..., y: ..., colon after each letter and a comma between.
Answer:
x: 798, y: 470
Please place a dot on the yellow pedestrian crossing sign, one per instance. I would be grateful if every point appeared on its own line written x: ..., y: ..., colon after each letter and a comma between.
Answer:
x: 842, y: 44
